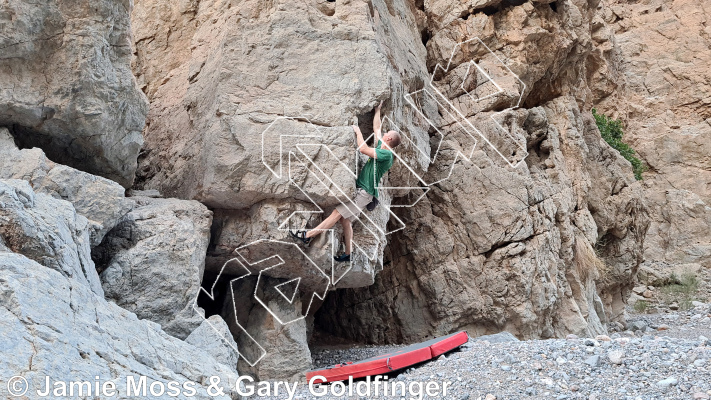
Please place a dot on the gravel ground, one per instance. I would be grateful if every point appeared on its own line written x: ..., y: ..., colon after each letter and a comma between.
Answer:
x: 679, y: 324
x: 659, y: 356
x: 332, y: 355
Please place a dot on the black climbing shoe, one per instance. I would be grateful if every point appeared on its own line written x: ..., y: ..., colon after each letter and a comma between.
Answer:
x: 301, y: 235
x: 342, y: 257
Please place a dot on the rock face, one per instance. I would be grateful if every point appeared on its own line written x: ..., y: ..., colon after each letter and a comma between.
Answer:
x: 152, y: 262
x: 246, y: 230
x: 665, y: 105
x: 59, y: 327
x: 220, y: 133
x: 46, y: 230
x: 66, y: 85
x: 541, y: 250
x: 214, y: 337
x: 215, y: 158
x: 98, y: 199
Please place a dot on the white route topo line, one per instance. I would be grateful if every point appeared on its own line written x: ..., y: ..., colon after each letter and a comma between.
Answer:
x: 461, y: 120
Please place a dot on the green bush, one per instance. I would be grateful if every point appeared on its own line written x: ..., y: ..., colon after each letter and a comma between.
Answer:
x: 611, y: 131
x: 681, y: 290
x: 686, y: 284
x: 641, y: 306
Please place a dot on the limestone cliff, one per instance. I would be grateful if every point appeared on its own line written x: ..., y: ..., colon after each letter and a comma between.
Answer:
x: 664, y: 100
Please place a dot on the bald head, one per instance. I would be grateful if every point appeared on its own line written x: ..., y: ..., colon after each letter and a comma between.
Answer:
x: 392, y: 138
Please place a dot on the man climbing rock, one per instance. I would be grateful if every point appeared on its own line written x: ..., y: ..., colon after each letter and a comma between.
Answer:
x: 380, y: 161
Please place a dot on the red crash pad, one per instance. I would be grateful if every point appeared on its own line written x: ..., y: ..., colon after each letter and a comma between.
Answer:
x: 394, y: 361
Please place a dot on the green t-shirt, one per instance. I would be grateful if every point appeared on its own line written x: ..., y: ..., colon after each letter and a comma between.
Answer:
x: 369, y: 177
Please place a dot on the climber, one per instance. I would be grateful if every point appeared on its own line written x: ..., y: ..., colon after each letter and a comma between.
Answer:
x: 380, y: 161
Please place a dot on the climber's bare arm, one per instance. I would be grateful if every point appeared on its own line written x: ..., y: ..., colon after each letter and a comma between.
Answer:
x: 362, y: 146
x: 377, y: 125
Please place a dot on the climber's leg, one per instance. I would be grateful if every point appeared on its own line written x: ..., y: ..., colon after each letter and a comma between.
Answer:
x: 327, y: 223
x: 348, y: 233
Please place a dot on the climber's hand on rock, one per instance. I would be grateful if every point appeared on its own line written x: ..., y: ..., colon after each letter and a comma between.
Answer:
x: 359, y: 138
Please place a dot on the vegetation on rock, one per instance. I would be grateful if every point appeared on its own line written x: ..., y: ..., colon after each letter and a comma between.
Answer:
x: 611, y: 131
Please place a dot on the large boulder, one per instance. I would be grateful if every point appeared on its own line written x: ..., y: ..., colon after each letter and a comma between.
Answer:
x: 46, y: 230
x: 664, y: 103
x: 66, y: 85
x: 214, y: 337
x: 271, y: 333
x: 662, y: 274
x: 98, y: 199
x: 220, y: 133
x: 152, y: 261
x: 52, y: 326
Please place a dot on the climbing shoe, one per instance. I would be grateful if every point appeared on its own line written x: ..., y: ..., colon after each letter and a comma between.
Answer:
x: 301, y: 235
x: 342, y: 257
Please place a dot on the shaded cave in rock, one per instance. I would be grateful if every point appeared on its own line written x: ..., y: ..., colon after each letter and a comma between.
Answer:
x: 218, y: 288
x: 426, y: 36
x: 491, y: 10
x: 365, y: 123
x: 60, y: 149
